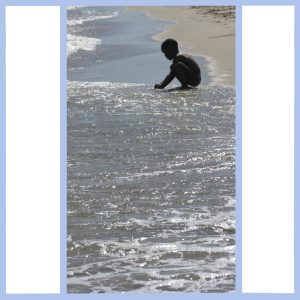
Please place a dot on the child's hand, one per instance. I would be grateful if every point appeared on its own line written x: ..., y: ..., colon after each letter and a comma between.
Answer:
x: 158, y: 86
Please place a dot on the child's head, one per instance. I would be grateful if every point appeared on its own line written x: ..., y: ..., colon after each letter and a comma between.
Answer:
x: 170, y: 48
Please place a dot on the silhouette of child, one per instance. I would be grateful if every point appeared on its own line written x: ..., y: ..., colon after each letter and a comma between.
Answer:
x: 184, y: 67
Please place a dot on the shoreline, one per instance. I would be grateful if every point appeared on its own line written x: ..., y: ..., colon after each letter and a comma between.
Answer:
x: 207, y: 31
x: 116, y: 59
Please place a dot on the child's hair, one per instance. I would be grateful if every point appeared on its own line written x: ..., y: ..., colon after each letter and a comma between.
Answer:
x: 169, y: 43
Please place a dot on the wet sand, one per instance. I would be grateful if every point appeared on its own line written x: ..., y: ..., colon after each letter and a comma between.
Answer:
x: 208, y: 31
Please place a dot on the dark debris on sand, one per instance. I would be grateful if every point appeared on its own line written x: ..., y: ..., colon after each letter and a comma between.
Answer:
x: 226, y: 12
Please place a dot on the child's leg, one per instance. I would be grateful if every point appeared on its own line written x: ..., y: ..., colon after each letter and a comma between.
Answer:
x: 181, y: 72
x: 184, y: 74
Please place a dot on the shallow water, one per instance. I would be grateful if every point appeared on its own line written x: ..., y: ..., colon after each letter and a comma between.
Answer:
x: 111, y: 44
x: 151, y: 188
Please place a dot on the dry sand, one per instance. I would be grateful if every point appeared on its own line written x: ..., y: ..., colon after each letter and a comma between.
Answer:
x: 204, y: 30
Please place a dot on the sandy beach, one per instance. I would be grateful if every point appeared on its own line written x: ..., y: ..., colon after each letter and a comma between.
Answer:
x: 208, y: 31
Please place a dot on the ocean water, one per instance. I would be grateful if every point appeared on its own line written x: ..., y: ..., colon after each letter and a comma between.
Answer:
x: 151, y: 173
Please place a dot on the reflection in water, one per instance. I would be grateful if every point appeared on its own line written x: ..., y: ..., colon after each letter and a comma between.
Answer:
x: 151, y: 188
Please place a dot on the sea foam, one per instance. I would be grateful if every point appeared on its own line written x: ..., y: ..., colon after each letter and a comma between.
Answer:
x: 77, y: 43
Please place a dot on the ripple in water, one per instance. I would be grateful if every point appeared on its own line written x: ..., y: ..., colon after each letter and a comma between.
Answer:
x: 151, y: 188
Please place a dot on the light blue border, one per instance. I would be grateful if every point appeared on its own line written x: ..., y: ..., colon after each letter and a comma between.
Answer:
x: 297, y: 151
x: 164, y: 296
x: 146, y: 2
x: 2, y: 153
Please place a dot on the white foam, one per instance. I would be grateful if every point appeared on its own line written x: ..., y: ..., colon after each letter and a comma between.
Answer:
x: 91, y: 18
x: 76, y: 43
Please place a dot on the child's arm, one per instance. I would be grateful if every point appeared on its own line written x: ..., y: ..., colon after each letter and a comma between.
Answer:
x: 166, y: 81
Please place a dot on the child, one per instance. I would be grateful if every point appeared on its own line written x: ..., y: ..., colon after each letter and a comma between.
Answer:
x: 184, y: 67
